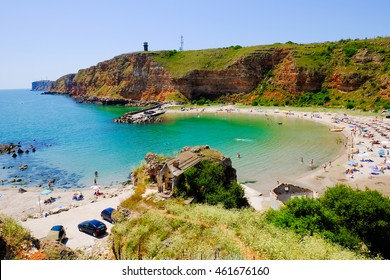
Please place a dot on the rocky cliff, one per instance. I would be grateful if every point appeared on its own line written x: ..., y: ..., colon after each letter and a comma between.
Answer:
x: 348, y: 69
x: 44, y: 85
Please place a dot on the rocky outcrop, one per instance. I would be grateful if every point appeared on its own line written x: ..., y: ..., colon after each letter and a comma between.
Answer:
x: 240, y: 77
x: 131, y: 76
x: 43, y: 85
x: 385, y: 87
x: 155, y: 162
x: 294, y: 79
x: 63, y: 84
x: 347, y: 81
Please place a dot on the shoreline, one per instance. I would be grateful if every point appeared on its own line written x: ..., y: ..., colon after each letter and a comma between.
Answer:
x: 29, y: 207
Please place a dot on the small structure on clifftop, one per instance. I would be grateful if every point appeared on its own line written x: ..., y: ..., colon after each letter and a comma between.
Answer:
x: 284, y: 192
x: 170, y: 173
x: 145, y: 46
x: 197, y: 174
x: 166, y: 173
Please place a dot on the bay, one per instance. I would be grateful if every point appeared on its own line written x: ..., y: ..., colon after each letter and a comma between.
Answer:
x: 74, y: 140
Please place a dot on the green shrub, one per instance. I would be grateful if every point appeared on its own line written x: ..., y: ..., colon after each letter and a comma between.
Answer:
x: 171, y: 53
x: 350, y: 104
x: 364, y: 213
x: 307, y: 217
x: 206, y: 182
x: 344, y: 216
x: 236, y: 47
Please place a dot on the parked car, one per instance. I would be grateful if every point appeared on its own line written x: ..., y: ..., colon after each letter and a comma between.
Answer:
x: 57, y: 233
x: 94, y: 227
x: 106, y: 214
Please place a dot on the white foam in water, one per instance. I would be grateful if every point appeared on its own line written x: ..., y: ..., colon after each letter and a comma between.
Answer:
x: 243, y: 139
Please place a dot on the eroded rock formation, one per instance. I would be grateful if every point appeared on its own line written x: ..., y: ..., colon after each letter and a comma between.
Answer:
x: 293, y: 69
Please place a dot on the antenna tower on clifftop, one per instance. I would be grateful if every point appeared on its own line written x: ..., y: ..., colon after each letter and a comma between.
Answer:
x: 181, y: 42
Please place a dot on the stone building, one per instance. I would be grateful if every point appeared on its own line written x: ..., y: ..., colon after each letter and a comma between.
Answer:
x: 170, y: 174
x: 283, y: 192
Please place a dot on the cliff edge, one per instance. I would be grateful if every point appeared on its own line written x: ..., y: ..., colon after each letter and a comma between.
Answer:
x: 354, y: 71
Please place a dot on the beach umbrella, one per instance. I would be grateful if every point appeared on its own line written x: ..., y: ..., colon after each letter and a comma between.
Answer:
x: 381, y: 152
x: 46, y: 191
x: 351, y: 162
x: 372, y: 167
x: 387, y: 164
x: 95, y: 187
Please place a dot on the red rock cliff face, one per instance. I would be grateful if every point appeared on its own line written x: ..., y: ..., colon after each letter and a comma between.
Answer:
x: 127, y: 76
x: 63, y: 84
x: 138, y: 76
x: 241, y: 76
x: 296, y: 79
x: 347, y: 82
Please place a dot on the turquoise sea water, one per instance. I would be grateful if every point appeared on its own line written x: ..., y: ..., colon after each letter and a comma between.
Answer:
x: 75, y: 140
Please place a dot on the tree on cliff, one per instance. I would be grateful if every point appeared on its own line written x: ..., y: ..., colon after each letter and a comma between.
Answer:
x: 206, y: 183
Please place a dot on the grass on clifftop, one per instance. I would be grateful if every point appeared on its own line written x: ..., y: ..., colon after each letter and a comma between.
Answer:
x: 311, y: 56
x: 181, y: 63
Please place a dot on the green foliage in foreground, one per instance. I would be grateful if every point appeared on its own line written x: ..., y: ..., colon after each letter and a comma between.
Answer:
x: 364, y: 213
x: 199, y: 231
x: 16, y: 242
x: 207, y: 183
x: 352, y: 218
x: 13, y: 237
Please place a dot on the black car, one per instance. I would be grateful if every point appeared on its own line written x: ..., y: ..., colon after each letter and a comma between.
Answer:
x: 93, y: 227
x: 106, y: 214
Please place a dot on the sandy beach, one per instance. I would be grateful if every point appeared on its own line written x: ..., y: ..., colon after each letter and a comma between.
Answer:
x: 30, y: 209
x: 363, y: 138
x: 359, y: 133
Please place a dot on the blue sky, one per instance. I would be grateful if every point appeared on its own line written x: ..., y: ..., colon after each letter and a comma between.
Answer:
x: 44, y: 39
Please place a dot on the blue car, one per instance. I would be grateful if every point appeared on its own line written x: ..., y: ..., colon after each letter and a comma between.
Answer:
x: 57, y: 233
x: 93, y: 227
x: 106, y: 214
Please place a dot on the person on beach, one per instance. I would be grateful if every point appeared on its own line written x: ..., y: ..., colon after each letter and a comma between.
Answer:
x: 325, y: 167
x: 96, y: 176
x: 302, y: 160
x: 238, y: 155
x: 311, y: 163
